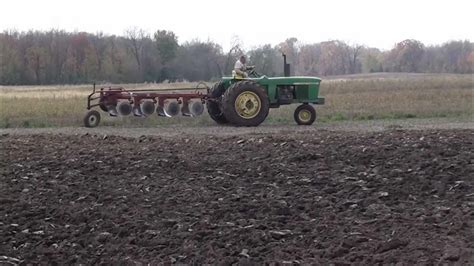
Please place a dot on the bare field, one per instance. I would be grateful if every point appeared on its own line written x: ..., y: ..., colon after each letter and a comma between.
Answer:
x: 366, y: 97
x: 399, y: 197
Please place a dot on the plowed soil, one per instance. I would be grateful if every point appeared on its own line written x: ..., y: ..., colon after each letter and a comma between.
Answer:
x: 309, y: 197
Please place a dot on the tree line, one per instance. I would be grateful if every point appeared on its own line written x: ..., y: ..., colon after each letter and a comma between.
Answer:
x: 60, y: 57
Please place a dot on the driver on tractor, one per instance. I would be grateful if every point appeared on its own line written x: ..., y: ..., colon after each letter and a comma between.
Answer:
x: 240, y: 69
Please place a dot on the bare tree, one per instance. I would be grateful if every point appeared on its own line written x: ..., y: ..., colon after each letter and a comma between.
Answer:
x: 135, y: 38
x: 99, y: 45
x: 309, y: 58
x: 406, y: 56
x: 233, y: 53
x: 56, y: 56
x: 354, y: 52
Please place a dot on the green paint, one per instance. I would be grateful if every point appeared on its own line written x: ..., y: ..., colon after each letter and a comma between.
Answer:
x: 305, y: 89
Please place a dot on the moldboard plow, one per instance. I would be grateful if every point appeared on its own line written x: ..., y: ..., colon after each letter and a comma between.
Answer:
x: 118, y: 101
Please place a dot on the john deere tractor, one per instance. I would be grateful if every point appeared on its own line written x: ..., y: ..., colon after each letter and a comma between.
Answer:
x: 233, y: 100
x: 247, y: 101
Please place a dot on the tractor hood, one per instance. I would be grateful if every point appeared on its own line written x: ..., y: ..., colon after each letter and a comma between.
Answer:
x: 294, y: 80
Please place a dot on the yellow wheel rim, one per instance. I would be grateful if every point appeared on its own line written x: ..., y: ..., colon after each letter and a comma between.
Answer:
x: 304, y: 116
x: 248, y: 105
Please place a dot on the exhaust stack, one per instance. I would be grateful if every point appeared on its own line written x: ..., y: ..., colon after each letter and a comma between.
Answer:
x: 286, y: 67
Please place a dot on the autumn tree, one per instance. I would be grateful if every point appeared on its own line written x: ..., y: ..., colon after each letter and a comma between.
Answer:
x: 334, y: 59
x: 99, y: 45
x: 406, y: 56
x: 309, y: 59
x: 10, y: 59
x: 35, y: 58
x: 456, y: 57
x: 371, y: 60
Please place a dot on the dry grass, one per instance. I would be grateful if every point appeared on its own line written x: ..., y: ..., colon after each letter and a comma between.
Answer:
x: 367, y: 97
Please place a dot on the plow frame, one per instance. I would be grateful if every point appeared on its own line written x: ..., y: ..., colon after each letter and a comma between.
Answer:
x: 111, y: 95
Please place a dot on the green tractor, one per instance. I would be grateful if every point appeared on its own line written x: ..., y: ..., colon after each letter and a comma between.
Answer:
x: 247, y: 101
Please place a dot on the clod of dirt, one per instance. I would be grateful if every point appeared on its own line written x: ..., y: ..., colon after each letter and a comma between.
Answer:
x: 337, y: 252
x: 392, y: 244
x: 245, y: 253
x: 452, y: 254
x: 278, y: 234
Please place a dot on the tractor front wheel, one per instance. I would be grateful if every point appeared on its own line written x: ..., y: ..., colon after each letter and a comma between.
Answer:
x: 245, y: 103
x: 213, y: 106
x: 305, y: 115
x: 92, y: 119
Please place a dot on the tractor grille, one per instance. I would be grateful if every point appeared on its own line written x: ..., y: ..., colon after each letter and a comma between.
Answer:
x: 302, y: 92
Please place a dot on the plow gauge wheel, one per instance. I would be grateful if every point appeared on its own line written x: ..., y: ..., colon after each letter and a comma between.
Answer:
x: 92, y: 119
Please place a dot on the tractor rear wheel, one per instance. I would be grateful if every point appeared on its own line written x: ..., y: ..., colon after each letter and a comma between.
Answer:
x: 245, y: 103
x: 213, y: 106
x: 92, y: 119
x: 305, y: 115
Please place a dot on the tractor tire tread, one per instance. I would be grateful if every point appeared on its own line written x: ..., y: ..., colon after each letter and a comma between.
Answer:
x: 308, y: 108
x: 213, y: 108
x: 228, y: 105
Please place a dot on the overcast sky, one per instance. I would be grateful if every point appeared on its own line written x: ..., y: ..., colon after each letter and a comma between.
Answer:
x: 375, y: 23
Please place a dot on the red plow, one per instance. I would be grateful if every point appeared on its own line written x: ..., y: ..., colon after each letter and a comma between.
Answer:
x: 165, y: 102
